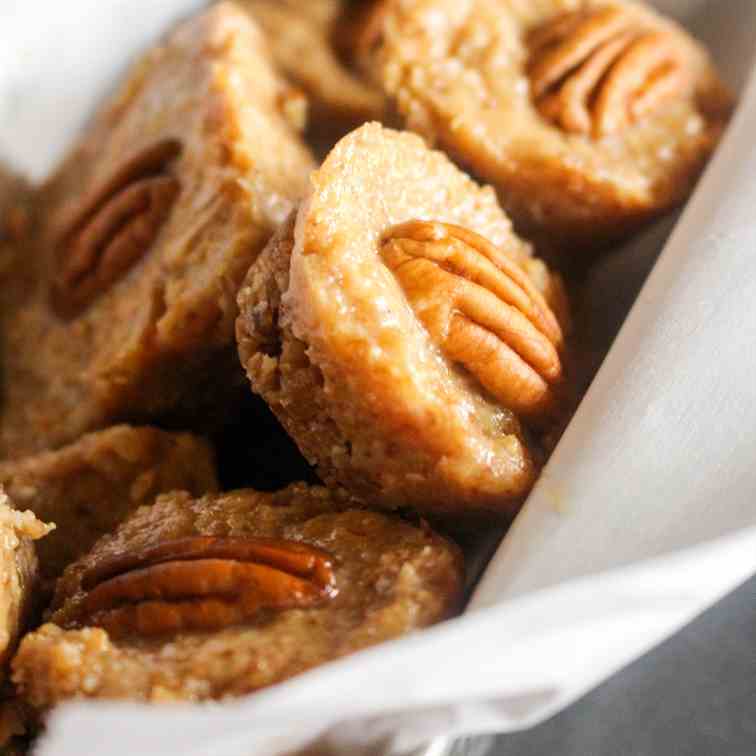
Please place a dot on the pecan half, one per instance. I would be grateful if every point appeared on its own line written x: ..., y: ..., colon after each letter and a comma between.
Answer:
x: 113, y: 227
x: 481, y: 309
x: 202, y: 583
x: 596, y: 71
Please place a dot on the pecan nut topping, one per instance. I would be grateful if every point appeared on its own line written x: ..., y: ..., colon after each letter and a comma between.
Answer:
x: 482, y: 310
x: 202, y: 583
x: 594, y: 72
x: 113, y: 227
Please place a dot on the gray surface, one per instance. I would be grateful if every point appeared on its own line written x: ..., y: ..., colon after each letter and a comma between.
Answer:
x: 693, y: 696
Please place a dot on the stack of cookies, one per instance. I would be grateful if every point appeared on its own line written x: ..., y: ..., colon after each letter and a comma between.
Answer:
x: 277, y: 198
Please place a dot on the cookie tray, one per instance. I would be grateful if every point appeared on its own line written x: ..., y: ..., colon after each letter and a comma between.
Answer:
x: 643, y: 518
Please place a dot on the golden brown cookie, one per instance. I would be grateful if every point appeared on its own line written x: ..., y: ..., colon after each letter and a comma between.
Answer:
x: 216, y: 597
x: 312, y: 44
x: 153, y: 220
x: 89, y: 487
x: 403, y: 334
x: 14, y: 723
x: 589, y: 116
x: 18, y: 572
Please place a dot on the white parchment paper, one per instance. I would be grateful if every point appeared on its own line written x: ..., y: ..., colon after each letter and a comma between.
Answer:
x: 645, y: 516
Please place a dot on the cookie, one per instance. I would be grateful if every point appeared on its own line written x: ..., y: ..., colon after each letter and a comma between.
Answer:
x: 589, y: 117
x: 197, y: 599
x: 404, y: 335
x: 150, y: 225
x: 17, y: 203
x: 88, y: 487
x: 18, y: 572
x: 313, y: 44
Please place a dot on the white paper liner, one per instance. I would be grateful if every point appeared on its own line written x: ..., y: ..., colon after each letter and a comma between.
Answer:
x: 614, y: 550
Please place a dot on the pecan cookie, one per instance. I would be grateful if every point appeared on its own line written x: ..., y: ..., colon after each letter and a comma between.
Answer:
x: 403, y: 334
x: 14, y: 724
x: 219, y: 596
x: 18, y: 572
x: 89, y: 487
x: 152, y: 222
x: 588, y: 117
x: 314, y: 43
